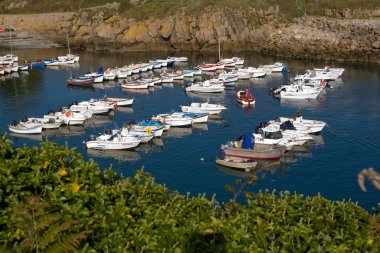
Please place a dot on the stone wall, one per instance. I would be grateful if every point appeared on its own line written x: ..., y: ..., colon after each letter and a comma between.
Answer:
x: 237, y: 29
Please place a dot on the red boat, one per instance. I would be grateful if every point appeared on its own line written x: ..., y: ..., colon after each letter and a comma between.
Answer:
x: 245, y: 97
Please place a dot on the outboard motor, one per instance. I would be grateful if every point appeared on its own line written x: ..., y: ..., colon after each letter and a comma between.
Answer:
x: 24, y: 119
x: 107, y: 131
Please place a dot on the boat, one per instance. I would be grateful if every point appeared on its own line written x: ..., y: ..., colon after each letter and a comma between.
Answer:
x: 194, y: 70
x: 25, y: 127
x: 314, y: 126
x: 112, y: 142
x: 300, y: 92
x: 138, y: 129
x: 70, y: 117
x: 198, y: 117
x: 246, y: 147
x: 68, y: 56
x: 47, y: 123
x: 118, y: 101
x: 207, y: 67
x: 93, y: 106
x: 176, y: 119
x: 143, y: 136
x: 135, y: 85
x: 51, y: 62
x: 81, y: 81
x: 109, y: 75
x: 276, y: 67
x: 244, y: 97
x: 205, y: 87
x: 272, y: 135
x: 98, y: 76
x: 178, y: 59
x: 208, y: 108
x: 242, y: 164
x: 175, y: 76
x: 154, y: 124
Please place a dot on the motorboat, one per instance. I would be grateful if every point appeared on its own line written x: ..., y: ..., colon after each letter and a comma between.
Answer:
x: 25, y: 127
x: 176, y: 119
x: 245, y: 97
x: 178, y: 59
x: 276, y: 67
x: 118, y: 101
x: 135, y: 85
x: 47, y: 123
x: 272, y: 135
x: 113, y: 142
x: 138, y: 129
x: 154, y: 124
x: 205, y: 87
x: 51, y: 62
x: 314, y: 126
x: 143, y: 136
x: 109, y: 75
x: 208, y: 108
x: 70, y: 117
x: 98, y: 76
x: 94, y: 106
x: 198, y: 117
x: 194, y: 70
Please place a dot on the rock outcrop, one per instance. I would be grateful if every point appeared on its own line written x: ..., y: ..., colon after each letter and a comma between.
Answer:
x: 246, y: 29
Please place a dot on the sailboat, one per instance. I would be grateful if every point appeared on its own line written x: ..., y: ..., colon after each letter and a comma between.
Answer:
x: 9, y: 58
x: 69, y: 57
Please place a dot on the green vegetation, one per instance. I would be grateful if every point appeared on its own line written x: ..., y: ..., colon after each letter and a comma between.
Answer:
x: 160, y: 8
x: 53, y: 201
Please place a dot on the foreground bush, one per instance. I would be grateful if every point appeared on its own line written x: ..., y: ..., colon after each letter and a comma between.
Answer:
x: 52, y: 200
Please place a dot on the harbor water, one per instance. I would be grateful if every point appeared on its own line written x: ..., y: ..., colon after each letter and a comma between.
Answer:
x: 184, y: 158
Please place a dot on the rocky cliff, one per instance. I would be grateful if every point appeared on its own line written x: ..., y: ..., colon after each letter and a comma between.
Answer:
x: 246, y: 29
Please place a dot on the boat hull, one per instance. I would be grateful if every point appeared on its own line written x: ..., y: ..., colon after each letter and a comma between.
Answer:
x: 236, y: 164
x: 257, y: 154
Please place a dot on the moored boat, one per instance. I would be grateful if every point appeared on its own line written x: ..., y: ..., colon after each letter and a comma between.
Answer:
x: 242, y: 164
x: 245, y: 97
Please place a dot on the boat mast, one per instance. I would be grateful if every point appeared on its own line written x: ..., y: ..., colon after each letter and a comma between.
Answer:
x: 68, y: 44
x: 219, y: 47
x: 10, y: 38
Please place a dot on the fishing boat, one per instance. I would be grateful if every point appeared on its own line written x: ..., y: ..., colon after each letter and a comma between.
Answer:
x: 246, y: 147
x: 245, y: 97
x: 208, y: 108
x: 51, y: 62
x: 154, y: 124
x: 137, y: 129
x: 178, y: 59
x: 47, y: 123
x: 276, y: 67
x: 241, y: 164
x: 198, y: 117
x: 143, y: 136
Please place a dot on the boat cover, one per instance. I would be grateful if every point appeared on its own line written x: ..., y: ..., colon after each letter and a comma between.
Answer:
x: 287, y: 125
x: 248, y: 141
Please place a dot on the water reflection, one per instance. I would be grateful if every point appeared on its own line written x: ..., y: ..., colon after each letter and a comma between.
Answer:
x: 262, y: 167
x: 156, y: 145
x: 34, y: 137
x: 65, y: 131
x: 178, y: 132
x: 20, y: 85
x: 119, y: 155
x: 201, y: 127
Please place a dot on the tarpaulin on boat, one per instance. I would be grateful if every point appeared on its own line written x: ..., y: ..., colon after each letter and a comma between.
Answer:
x: 248, y: 141
x: 287, y: 125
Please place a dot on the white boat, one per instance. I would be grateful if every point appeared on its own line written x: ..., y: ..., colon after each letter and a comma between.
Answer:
x: 68, y: 56
x: 272, y: 135
x: 318, y: 75
x: 314, y: 126
x: 135, y: 85
x: 109, y: 75
x: 175, y: 76
x: 25, y: 127
x: 205, y: 87
x: 195, y: 71
x: 300, y: 93
x: 230, y: 63
x: 63, y: 61
x: 167, y: 79
x: 198, y: 117
x: 71, y: 118
x: 143, y: 136
x: 93, y: 106
x: 178, y: 59
x: 118, y: 101
x: 211, y: 109
x: 122, y: 73
x: 113, y: 142
x: 138, y: 130
x: 276, y: 67
x: 176, y: 119
x: 238, y: 61
x: 47, y: 123
x: 207, y: 67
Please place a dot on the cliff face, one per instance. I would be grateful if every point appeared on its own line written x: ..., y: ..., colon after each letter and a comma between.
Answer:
x: 237, y: 29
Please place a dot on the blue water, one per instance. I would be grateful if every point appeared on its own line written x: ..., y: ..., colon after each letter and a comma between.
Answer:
x: 184, y: 158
